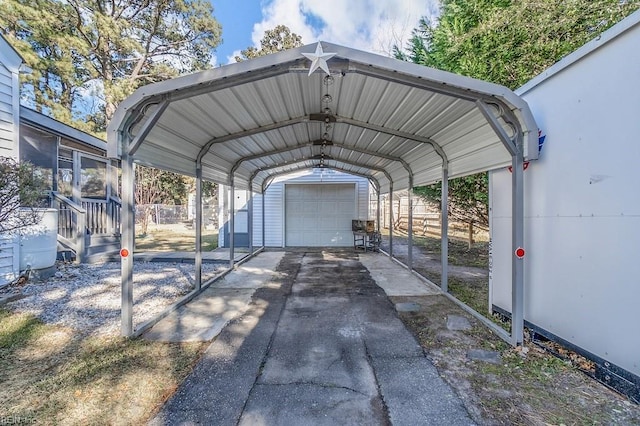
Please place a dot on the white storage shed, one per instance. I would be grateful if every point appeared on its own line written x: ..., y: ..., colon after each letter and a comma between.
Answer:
x: 582, y: 209
x: 310, y: 208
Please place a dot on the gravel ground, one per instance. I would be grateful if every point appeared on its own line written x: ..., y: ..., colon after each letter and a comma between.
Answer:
x: 86, y: 297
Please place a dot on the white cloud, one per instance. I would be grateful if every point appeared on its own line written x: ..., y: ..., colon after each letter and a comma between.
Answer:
x: 371, y: 25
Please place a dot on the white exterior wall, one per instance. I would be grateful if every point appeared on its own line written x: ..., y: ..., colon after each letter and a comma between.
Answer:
x: 9, y: 100
x: 9, y: 125
x: 275, y: 203
x: 582, y: 202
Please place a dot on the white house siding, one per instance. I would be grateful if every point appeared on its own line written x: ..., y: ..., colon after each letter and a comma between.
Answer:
x: 582, y: 202
x: 9, y: 122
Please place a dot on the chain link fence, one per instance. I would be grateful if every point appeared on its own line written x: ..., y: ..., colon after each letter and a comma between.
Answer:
x: 167, y: 214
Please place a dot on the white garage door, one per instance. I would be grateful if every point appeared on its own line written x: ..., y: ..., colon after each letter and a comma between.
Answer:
x: 319, y: 215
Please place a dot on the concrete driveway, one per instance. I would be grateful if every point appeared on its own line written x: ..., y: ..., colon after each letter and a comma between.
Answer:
x: 320, y: 344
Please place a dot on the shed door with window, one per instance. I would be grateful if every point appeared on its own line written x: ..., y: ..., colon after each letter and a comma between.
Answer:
x: 319, y: 215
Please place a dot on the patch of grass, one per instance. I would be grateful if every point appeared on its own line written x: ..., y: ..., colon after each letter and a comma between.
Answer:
x: 53, y: 376
x: 175, y: 238
x: 474, y: 293
x: 16, y: 330
x: 459, y: 252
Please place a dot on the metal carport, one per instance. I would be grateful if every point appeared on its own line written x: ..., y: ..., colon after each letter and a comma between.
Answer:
x: 398, y: 124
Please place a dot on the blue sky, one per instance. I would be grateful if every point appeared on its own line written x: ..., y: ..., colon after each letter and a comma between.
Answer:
x: 370, y: 25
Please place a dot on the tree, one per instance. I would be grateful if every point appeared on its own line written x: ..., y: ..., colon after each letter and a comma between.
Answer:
x: 506, y: 42
x: 21, y: 190
x: 275, y: 40
x: 110, y: 48
x: 509, y: 41
x: 154, y: 186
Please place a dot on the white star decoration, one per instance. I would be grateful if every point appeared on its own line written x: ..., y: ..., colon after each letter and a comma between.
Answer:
x: 319, y: 59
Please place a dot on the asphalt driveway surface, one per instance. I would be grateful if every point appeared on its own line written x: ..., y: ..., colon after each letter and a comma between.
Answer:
x: 321, y: 344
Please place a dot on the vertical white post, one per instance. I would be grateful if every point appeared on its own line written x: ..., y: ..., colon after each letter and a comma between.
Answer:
x: 517, y: 264
x: 390, y: 219
x: 198, y: 224
x: 444, y: 229
x: 250, y: 219
x: 264, y: 232
x: 410, y: 226
x: 378, y: 211
x: 232, y: 229
x: 127, y: 242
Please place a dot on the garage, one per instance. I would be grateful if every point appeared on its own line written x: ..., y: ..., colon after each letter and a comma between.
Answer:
x: 319, y: 215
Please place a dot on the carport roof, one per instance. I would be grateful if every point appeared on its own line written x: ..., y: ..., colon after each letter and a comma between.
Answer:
x: 394, y: 122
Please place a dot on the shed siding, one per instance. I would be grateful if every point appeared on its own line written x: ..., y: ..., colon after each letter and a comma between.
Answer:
x: 274, y: 203
x: 582, y: 212
x: 274, y: 200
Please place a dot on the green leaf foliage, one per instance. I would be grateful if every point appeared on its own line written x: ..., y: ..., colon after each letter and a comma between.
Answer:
x: 106, y: 49
x: 507, y: 42
x: 274, y: 40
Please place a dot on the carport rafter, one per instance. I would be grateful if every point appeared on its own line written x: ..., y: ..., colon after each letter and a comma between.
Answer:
x: 310, y: 158
x: 330, y: 144
x: 374, y: 182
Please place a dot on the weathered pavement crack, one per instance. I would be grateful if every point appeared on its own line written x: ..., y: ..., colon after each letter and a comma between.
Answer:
x: 321, y: 385
x: 288, y: 281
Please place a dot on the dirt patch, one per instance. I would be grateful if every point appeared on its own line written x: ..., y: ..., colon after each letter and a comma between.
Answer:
x: 527, y: 387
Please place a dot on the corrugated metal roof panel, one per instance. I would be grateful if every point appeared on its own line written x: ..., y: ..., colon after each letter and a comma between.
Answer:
x: 261, y: 117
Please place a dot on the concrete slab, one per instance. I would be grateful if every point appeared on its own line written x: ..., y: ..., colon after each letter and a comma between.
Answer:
x: 415, y: 394
x: 205, y: 316
x: 311, y: 404
x: 219, y: 255
x: 408, y: 307
x: 491, y: 357
x: 319, y: 345
x: 393, y: 278
x: 458, y: 323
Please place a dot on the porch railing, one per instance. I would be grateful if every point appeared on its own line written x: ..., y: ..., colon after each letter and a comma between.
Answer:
x: 103, y: 216
x: 72, y: 224
x: 114, y: 208
x: 77, y: 221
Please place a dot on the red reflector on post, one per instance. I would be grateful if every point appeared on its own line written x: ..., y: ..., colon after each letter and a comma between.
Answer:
x: 520, y: 252
x: 124, y: 252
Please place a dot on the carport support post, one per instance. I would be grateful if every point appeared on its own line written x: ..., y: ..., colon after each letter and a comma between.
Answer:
x: 198, y: 224
x: 517, y: 264
x: 410, y: 226
x: 128, y: 240
x: 250, y: 219
x: 391, y: 219
x: 444, y: 229
x: 378, y: 210
x: 263, y: 216
x: 232, y: 228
